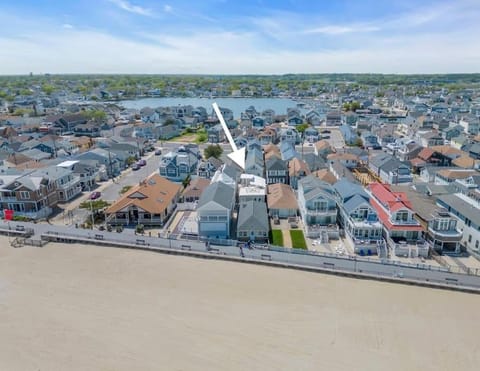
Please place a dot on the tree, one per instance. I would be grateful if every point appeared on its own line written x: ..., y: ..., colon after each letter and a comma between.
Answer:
x: 302, y: 127
x: 358, y: 142
x: 213, y: 150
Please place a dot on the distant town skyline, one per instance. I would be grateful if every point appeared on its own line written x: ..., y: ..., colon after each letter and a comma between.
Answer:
x: 233, y: 37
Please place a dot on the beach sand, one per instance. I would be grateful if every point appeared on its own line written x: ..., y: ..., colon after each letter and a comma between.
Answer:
x: 73, y: 307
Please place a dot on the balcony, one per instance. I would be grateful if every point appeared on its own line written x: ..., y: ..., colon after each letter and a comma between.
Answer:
x: 408, y: 248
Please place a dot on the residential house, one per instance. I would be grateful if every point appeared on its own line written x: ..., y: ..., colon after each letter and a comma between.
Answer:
x: 167, y: 132
x: 474, y: 151
x: 390, y: 169
x: 105, y: 158
x: 258, y: 122
x: 281, y: 201
x: 466, y: 210
x: 470, y: 124
x: 323, y: 148
x: 288, y: 151
x: 276, y: 170
x: 441, y: 232
x: 216, y: 134
x: 313, y: 117
x: 151, y: 202
x: 208, y: 167
x: 297, y: 169
x: 430, y: 138
x: 369, y: 140
x: 401, y: 229
x: 359, y: 219
x: 194, y: 190
x: 452, y: 132
x: 450, y: 175
x: 66, y: 182
x: 349, y: 160
x: 316, y: 202
x: 348, y: 133
x: 90, y: 129
x: 227, y: 114
x: 179, y: 164
x: 254, y: 162
x: 149, y: 115
x: 334, y: 118
x: 289, y: 135
x: 30, y: 195
x: 251, y: 188
x: 252, y: 222
x: 311, y: 135
x: 86, y: 171
x: 214, y: 211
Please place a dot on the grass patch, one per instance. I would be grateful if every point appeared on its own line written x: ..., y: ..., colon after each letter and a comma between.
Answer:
x: 277, y: 237
x: 298, y: 240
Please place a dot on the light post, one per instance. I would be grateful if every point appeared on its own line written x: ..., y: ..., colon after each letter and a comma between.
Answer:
x: 91, y: 207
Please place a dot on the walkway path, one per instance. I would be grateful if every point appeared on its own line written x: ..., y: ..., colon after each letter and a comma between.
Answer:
x: 287, y: 239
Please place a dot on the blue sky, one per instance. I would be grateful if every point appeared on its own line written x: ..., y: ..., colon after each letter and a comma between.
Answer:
x: 239, y: 37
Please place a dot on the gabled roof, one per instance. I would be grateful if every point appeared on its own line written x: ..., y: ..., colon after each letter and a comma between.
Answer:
x: 347, y: 189
x: 275, y: 163
x: 252, y: 215
x: 325, y: 175
x: 295, y: 166
x: 281, y: 196
x: 355, y: 202
x: 196, y: 187
x: 219, y: 193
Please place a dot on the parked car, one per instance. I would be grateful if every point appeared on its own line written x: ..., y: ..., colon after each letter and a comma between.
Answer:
x: 158, y: 152
x: 95, y: 195
x: 135, y: 166
x: 325, y: 131
x: 141, y: 162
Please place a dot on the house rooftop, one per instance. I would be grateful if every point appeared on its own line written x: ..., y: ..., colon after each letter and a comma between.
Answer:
x: 152, y: 195
x: 281, y: 196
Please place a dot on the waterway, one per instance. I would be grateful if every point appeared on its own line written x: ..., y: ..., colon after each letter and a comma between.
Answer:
x: 237, y: 105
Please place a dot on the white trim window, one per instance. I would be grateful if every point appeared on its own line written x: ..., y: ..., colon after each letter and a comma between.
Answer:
x: 24, y: 195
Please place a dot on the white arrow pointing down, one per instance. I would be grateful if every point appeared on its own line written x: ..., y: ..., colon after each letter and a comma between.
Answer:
x: 238, y: 155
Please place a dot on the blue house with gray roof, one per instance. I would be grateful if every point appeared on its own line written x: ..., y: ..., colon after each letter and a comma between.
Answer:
x: 214, y: 211
x: 358, y: 218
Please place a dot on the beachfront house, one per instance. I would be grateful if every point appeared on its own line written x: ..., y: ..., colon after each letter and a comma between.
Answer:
x: 214, y: 211
x: 27, y: 194
x: 252, y: 223
x: 281, y: 201
x: 151, y: 203
x: 316, y: 201
x: 358, y: 218
x: 401, y: 230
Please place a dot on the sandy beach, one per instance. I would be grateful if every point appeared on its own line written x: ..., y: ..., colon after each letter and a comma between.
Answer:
x: 73, y: 307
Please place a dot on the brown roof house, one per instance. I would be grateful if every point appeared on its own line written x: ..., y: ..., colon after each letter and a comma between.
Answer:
x: 193, y: 191
x: 149, y: 203
x: 281, y: 201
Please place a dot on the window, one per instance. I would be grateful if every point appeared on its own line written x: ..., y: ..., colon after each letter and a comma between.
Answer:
x: 402, y: 216
x: 24, y: 195
x: 476, y: 244
x: 469, y: 238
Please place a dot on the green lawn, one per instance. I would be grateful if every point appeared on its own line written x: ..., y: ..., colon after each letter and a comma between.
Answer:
x: 298, y: 240
x: 277, y: 237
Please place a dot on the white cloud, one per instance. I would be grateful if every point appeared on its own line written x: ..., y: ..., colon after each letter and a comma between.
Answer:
x: 129, y: 7
x: 338, y: 30
x: 67, y: 26
x: 218, y: 53
x: 167, y: 8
